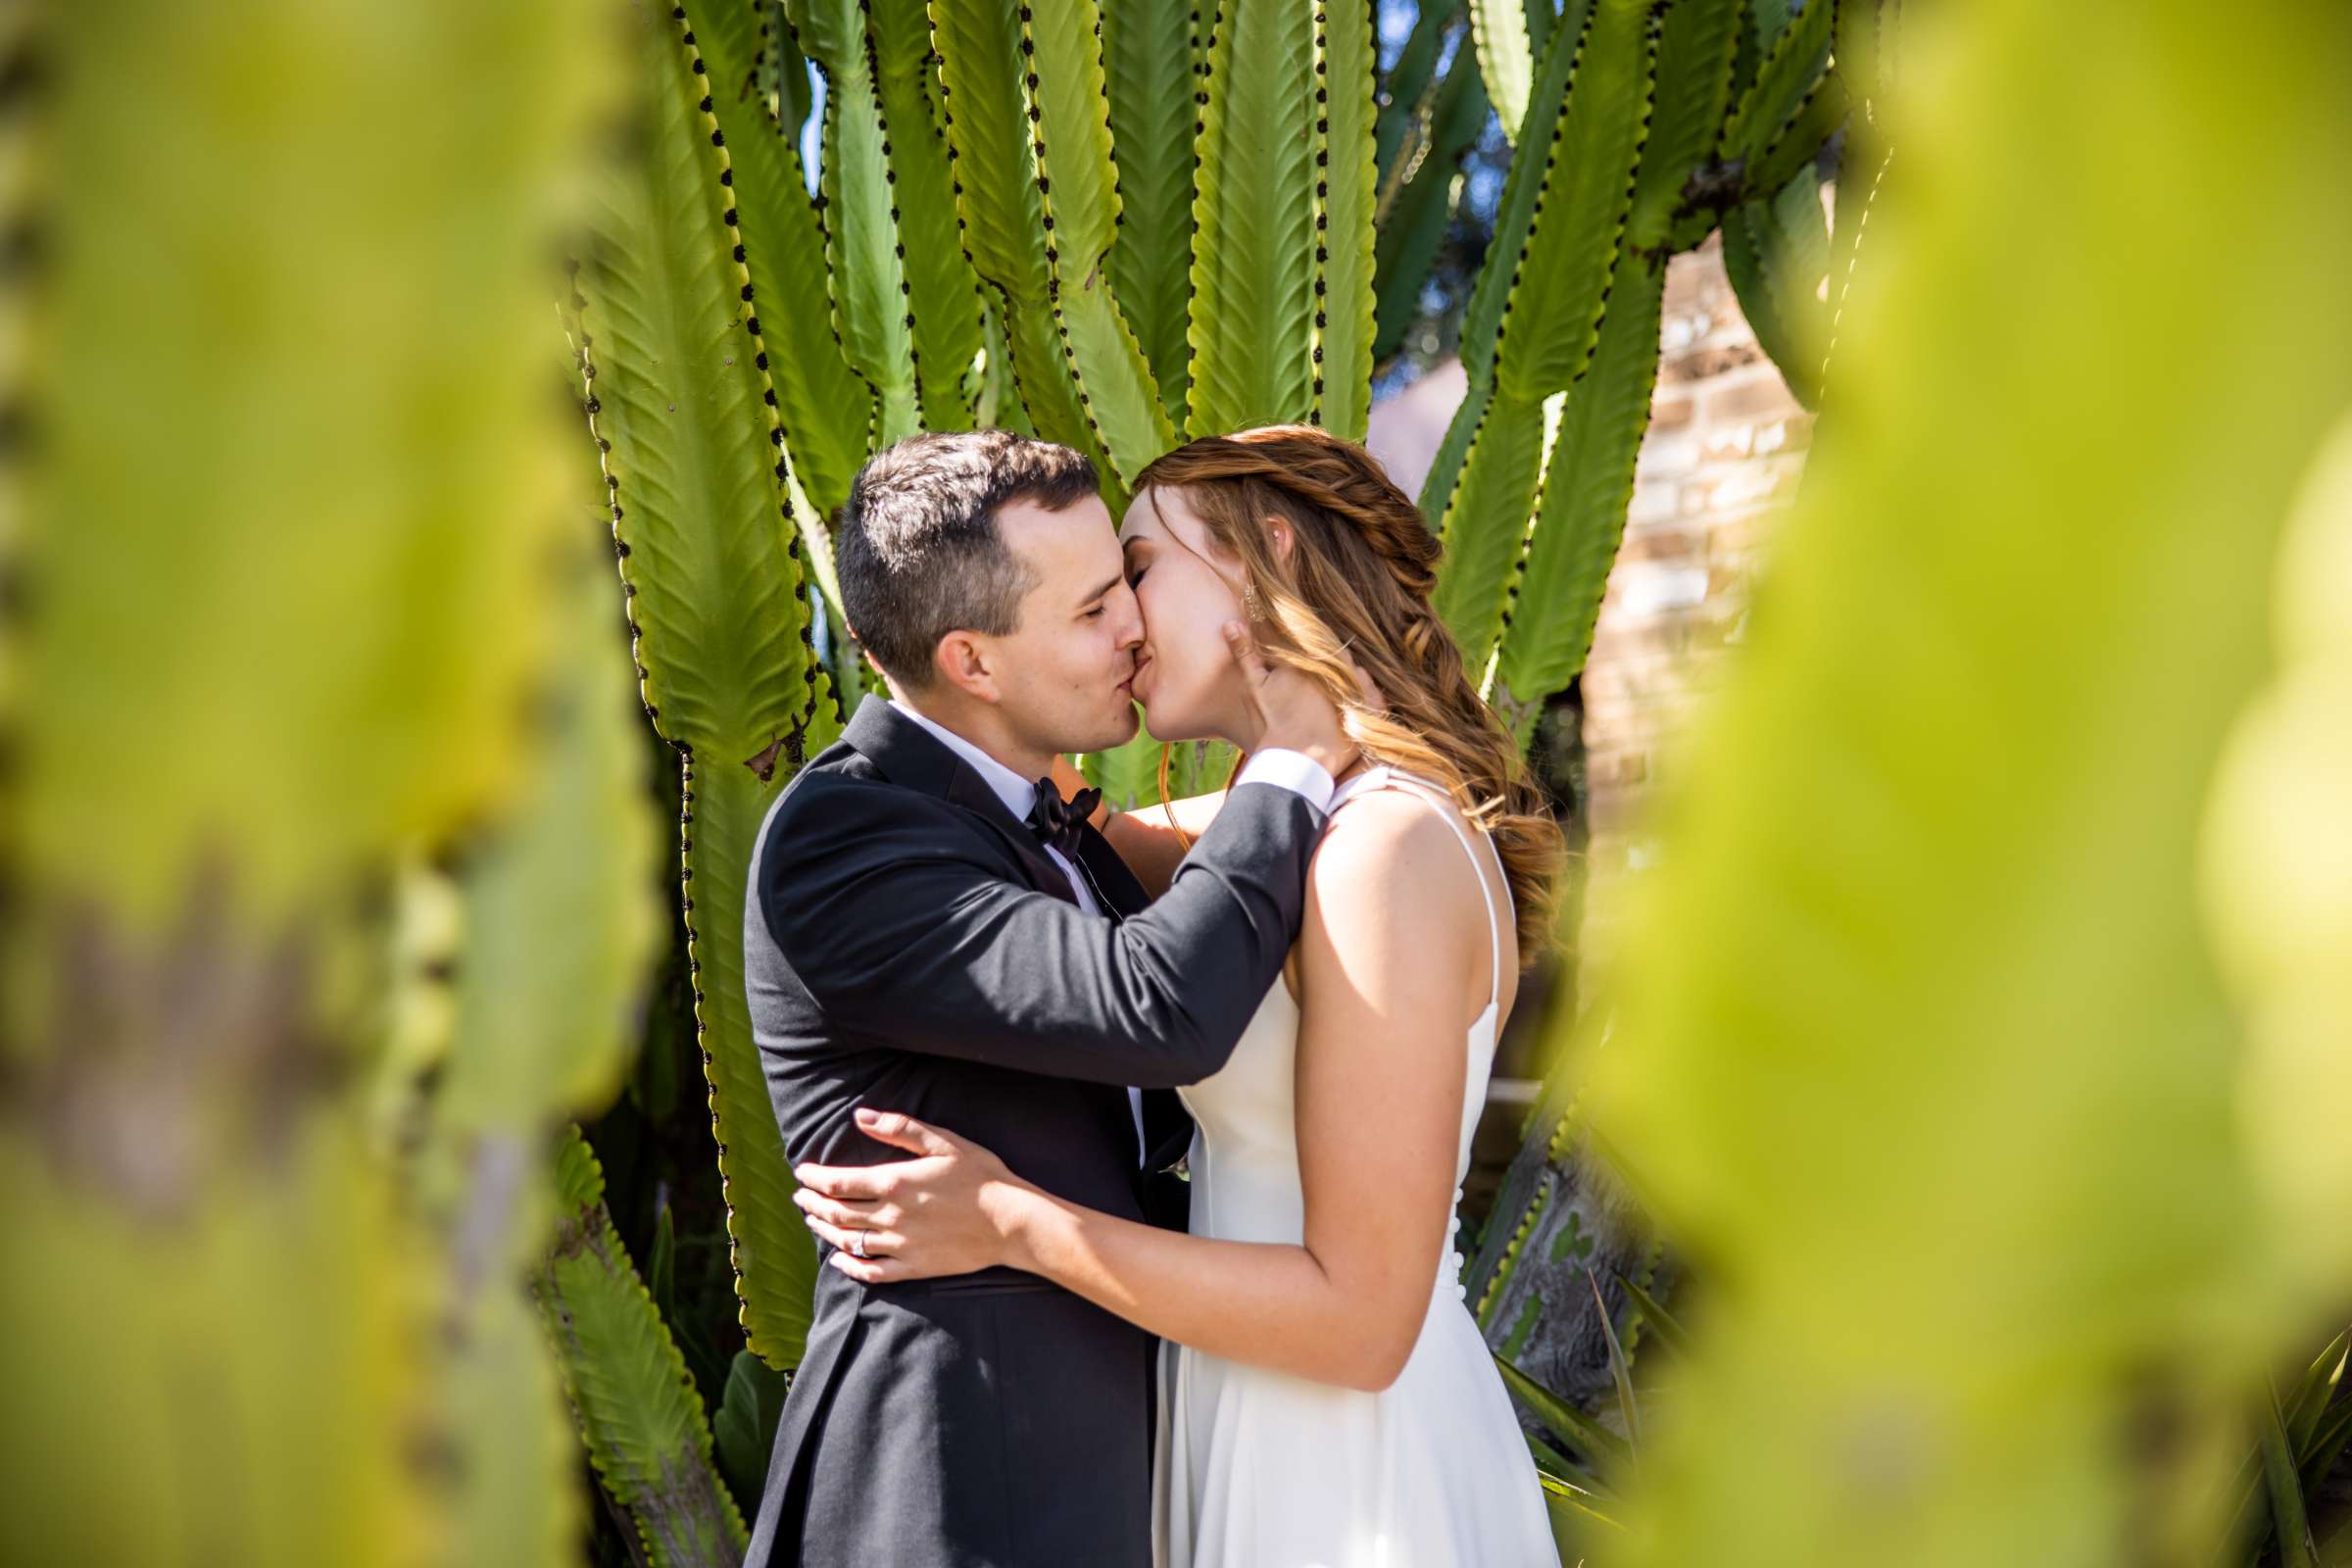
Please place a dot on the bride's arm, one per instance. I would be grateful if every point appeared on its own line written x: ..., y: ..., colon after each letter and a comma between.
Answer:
x: 1391, y: 936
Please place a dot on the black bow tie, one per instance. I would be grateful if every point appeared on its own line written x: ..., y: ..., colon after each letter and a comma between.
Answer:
x: 1056, y: 821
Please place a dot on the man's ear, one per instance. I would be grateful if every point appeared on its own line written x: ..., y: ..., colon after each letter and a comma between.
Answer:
x: 966, y: 662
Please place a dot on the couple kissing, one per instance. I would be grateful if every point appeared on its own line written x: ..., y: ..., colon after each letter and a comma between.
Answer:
x: 1132, y: 1140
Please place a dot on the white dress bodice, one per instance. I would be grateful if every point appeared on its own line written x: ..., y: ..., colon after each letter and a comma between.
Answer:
x: 1245, y: 1156
x: 1255, y: 1469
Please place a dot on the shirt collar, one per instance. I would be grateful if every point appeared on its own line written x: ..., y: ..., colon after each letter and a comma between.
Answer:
x: 1017, y: 793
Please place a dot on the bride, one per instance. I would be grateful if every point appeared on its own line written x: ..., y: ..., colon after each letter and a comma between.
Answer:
x: 1325, y: 1397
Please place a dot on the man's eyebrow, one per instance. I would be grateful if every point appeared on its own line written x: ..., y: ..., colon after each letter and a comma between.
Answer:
x: 1105, y: 588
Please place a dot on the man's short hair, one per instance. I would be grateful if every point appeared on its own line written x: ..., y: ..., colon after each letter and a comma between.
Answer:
x: 919, y: 553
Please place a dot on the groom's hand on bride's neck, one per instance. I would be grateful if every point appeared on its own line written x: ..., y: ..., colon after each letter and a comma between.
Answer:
x: 1290, y: 712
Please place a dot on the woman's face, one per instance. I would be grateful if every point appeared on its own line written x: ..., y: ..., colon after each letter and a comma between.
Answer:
x: 1187, y: 588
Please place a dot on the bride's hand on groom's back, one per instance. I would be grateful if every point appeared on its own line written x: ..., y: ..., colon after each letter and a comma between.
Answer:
x: 919, y: 1218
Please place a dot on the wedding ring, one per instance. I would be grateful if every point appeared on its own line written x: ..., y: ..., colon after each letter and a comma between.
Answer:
x: 857, y: 1244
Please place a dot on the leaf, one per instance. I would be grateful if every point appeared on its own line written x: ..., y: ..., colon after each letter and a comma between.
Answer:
x: 713, y: 585
x: 1620, y: 1370
x: 1081, y: 212
x: 1670, y: 1333
x: 861, y: 231
x: 2328, y: 1443
x: 983, y: 74
x: 942, y: 291
x: 1697, y: 42
x: 1483, y: 526
x: 1127, y: 775
x: 775, y: 1260
x: 636, y: 1407
x: 1454, y: 451
x: 300, y: 616
x: 1253, y: 213
x: 1799, y: 146
x: 1775, y: 253
x: 1533, y: 317
x: 1933, y: 851
x: 1409, y: 84
x: 1416, y: 201
x: 1574, y: 1512
x: 1553, y: 1465
x: 662, y: 1281
x: 677, y: 393
x: 295, y: 1294
x: 744, y: 1428
x: 544, y: 1027
x: 1514, y: 214
x: 2291, y: 1526
x: 1505, y: 60
x: 1552, y: 314
x: 1589, y: 483
x: 826, y: 407
x: 1565, y: 1421
x: 1791, y: 68
x: 1151, y: 119
x: 1345, y: 195
x: 2313, y: 1394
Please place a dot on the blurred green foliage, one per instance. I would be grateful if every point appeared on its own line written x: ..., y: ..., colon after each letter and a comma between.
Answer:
x: 330, y: 868
x: 1985, y: 1042
x: 1989, y: 1060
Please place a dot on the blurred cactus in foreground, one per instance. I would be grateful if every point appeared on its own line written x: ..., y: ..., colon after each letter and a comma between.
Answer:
x: 1982, y: 1034
x: 330, y: 868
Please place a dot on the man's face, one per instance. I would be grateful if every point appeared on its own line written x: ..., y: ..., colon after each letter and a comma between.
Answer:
x: 1062, y: 675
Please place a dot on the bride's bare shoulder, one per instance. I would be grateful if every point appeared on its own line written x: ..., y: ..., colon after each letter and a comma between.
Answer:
x: 1390, y: 850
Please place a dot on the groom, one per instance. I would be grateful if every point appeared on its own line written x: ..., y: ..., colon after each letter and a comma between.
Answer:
x: 932, y: 929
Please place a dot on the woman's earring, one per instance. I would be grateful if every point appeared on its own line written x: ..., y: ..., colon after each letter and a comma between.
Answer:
x: 1252, y: 605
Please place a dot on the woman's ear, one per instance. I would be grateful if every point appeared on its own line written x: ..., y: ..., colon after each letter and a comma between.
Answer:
x: 1279, y: 531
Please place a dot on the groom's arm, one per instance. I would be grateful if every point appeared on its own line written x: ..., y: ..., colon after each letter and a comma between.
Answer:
x: 891, y: 912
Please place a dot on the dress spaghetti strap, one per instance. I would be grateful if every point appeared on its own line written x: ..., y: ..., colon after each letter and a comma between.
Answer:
x: 1386, y: 775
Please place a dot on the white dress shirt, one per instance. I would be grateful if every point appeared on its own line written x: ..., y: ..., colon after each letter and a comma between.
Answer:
x: 1294, y: 772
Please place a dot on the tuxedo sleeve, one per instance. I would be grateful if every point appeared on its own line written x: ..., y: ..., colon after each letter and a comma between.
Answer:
x: 901, y: 925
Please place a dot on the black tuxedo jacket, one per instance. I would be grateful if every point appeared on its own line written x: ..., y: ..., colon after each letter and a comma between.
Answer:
x: 909, y: 945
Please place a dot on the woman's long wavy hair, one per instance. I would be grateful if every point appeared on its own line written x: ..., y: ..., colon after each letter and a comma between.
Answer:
x: 1357, y: 585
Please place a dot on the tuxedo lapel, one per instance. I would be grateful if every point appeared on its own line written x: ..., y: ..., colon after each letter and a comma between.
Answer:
x: 907, y: 754
x: 1114, y: 882
x: 970, y: 790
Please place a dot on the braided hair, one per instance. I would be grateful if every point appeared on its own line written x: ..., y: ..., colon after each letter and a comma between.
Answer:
x: 1357, y: 585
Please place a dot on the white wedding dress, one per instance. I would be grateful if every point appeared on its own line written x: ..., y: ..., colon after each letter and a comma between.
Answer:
x: 1260, y: 1469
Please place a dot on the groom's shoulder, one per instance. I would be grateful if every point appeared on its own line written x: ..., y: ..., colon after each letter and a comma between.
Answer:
x: 840, y: 799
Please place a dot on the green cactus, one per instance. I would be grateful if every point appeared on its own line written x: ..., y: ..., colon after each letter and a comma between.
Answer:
x: 637, y: 1408
x: 828, y: 410
x: 1659, y: 100
x: 1152, y: 112
x: 1139, y: 249
x: 674, y: 373
x: 1283, y: 256
x: 1429, y: 123
x: 325, y: 835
